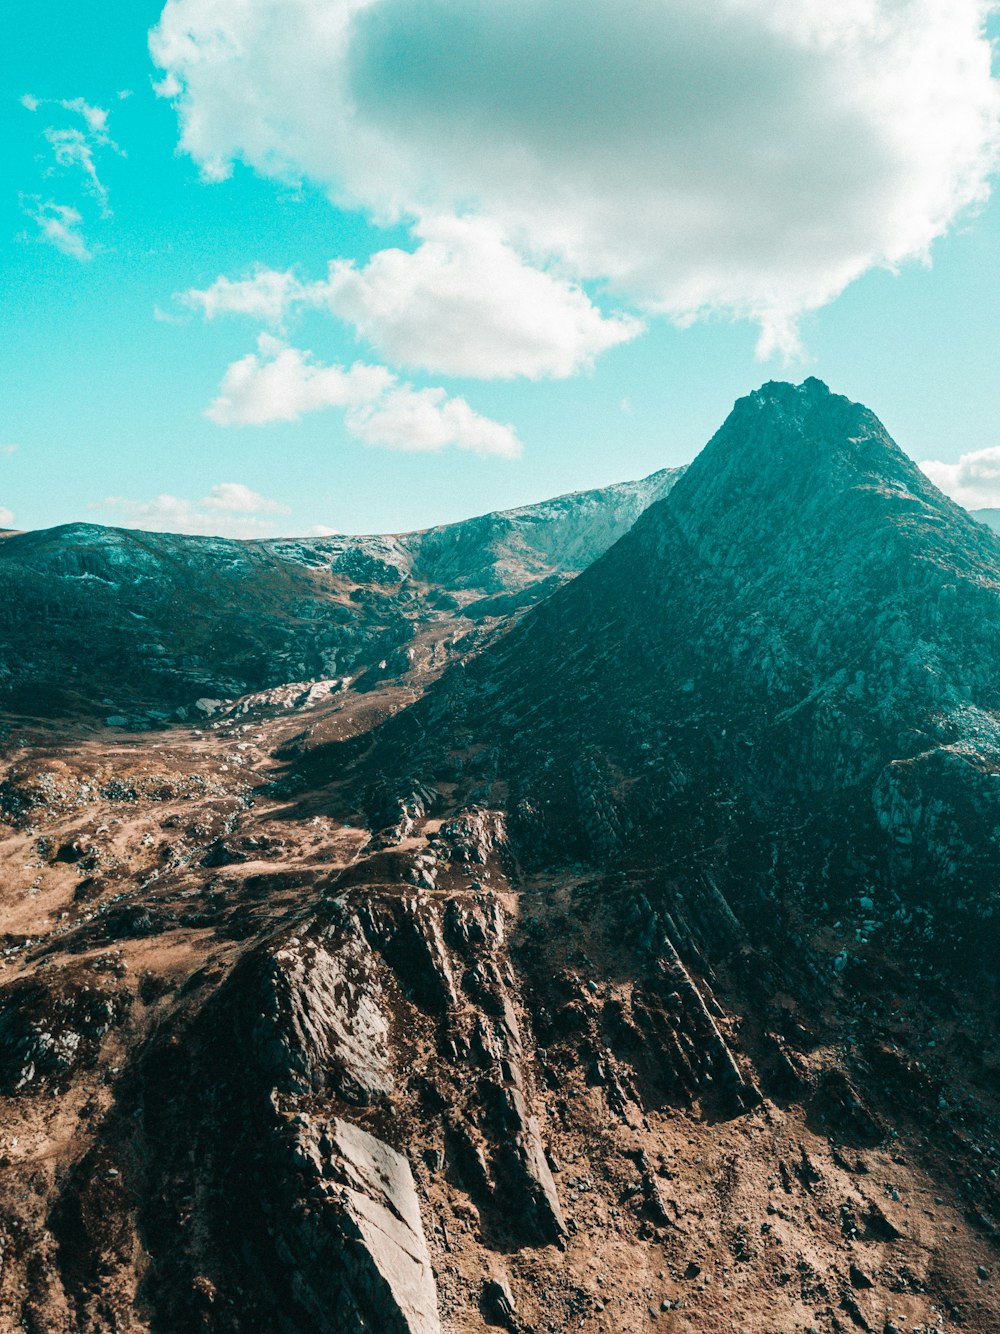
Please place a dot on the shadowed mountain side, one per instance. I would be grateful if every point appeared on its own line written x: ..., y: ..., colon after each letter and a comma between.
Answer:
x: 804, y: 626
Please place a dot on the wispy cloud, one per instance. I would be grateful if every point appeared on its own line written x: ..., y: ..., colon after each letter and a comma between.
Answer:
x: 71, y: 149
x: 229, y: 510
x: 75, y: 149
x: 95, y: 118
x: 58, y: 224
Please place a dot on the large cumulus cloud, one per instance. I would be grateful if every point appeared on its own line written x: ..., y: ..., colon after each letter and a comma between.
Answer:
x: 748, y: 157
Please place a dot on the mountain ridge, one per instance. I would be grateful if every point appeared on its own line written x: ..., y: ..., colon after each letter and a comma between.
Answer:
x: 631, y: 968
x: 141, y: 624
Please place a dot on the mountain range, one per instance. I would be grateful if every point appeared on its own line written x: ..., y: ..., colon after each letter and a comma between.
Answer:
x: 583, y: 917
x: 97, y: 619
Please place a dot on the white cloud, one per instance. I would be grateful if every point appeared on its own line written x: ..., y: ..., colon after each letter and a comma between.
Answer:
x: 463, y: 303
x: 749, y: 157
x: 427, y: 419
x: 280, y: 383
x: 71, y: 148
x: 169, y: 87
x: 267, y: 296
x: 6, y: 517
x: 229, y: 510
x: 7, y: 450
x: 235, y: 498
x: 59, y: 225
x: 974, y: 481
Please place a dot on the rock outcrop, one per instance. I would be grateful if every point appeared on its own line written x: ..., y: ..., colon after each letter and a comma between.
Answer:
x: 357, y: 1252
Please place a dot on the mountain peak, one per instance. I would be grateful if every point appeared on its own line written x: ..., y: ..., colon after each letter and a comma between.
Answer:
x: 803, y: 490
x: 790, y: 461
x: 811, y: 389
x: 808, y: 414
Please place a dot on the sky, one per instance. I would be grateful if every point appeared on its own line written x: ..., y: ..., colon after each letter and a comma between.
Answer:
x: 308, y: 266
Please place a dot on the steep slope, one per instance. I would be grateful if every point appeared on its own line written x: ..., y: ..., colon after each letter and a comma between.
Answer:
x: 804, y: 609
x: 500, y: 551
x: 770, y: 715
x: 123, y: 622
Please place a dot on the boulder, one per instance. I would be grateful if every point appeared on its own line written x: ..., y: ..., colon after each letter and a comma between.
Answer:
x: 359, y: 1258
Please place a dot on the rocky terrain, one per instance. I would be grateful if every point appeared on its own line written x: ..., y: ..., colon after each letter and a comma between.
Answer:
x: 137, y: 627
x: 620, y: 958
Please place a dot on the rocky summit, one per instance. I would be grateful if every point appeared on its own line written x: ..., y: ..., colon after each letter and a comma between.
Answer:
x: 580, y: 918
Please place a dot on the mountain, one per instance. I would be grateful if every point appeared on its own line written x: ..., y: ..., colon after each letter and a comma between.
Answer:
x: 635, y: 971
x: 805, y: 611
x: 990, y: 517
x: 116, y: 623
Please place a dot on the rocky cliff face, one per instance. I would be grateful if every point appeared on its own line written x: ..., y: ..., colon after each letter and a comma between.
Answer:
x: 636, y: 971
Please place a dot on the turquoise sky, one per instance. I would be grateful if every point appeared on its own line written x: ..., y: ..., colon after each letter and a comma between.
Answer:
x: 104, y: 398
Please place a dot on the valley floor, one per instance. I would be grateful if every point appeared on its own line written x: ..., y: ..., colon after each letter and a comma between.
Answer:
x: 209, y: 970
